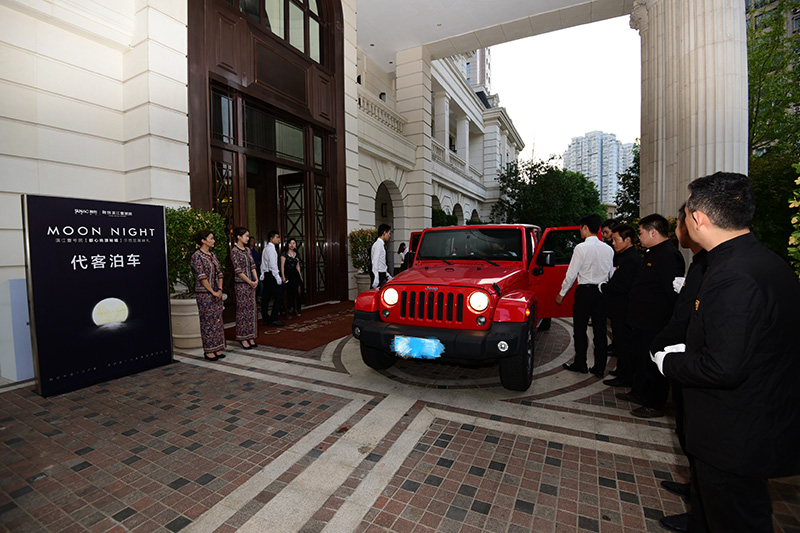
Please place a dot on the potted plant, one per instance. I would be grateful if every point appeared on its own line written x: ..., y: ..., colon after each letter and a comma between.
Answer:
x: 182, y: 225
x: 361, y: 241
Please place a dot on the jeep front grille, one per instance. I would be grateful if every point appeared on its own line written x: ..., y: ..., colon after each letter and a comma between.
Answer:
x: 432, y: 306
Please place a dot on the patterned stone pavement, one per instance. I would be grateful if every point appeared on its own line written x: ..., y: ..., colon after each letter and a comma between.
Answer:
x: 273, y: 439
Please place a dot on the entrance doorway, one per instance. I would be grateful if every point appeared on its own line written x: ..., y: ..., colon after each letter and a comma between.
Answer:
x: 301, y: 200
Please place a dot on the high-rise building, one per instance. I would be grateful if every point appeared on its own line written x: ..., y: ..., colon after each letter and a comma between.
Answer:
x: 601, y: 158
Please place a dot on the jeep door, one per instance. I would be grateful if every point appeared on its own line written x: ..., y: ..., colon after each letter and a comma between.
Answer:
x: 547, y: 283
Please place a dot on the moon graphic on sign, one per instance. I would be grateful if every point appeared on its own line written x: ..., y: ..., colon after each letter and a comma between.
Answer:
x: 109, y: 311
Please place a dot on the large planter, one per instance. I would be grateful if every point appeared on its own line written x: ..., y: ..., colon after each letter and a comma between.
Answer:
x: 185, y: 319
x: 362, y: 282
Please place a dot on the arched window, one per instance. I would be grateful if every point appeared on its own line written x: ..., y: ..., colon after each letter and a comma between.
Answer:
x: 299, y: 22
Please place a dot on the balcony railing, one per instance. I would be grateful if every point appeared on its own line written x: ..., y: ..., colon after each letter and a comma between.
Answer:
x: 377, y: 109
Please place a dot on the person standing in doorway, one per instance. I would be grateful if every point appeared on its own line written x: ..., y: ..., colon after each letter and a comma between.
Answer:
x: 739, y: 366
x: 380, y: 270
x: 271, y: 276
x: 591, y: 264
x: 292, y: 278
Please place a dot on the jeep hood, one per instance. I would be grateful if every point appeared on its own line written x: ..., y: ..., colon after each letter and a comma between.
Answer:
x: 461, y: 274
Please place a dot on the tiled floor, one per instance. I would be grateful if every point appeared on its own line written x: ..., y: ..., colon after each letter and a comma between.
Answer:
x: 278, y: 440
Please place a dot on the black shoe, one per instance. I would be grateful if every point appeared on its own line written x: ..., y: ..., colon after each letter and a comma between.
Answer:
x: 596, y: 372
x: 614, y: 372
x: 245, y: 347
x: 647, y: 412
x: 628, y: 397
x: 683, y: 490
x: 617, y: 382
x: 675, y: 522
x: 575, y: 368
x: 206, y: 355
x: 276, y: 323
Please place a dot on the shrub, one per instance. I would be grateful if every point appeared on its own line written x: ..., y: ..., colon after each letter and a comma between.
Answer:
x: 182, y: 225
x: 794, y: 238
x: 361, y: 241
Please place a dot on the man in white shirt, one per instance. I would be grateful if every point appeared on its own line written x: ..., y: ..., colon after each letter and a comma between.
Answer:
x: 380, y: 270
x: 271, y: 276
x: 592, y: 264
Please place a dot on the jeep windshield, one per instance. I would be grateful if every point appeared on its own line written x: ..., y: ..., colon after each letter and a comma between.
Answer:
x: 490, y: 244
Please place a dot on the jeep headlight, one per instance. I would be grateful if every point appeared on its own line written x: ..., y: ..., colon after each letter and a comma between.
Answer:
x: 479, y: 301
x: 390, y: 296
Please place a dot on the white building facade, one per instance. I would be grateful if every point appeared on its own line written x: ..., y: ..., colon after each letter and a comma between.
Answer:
x: 150, y: 101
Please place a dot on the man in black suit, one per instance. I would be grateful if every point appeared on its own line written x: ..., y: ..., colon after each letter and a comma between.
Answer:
x: 650, y: 303
x: 739, y: 367
x: 627, y: 263
x: 675, y: 333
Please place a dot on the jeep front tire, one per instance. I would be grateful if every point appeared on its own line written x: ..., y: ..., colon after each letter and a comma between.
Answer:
x: 516, y: 371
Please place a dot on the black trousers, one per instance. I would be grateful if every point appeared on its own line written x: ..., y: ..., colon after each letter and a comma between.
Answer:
x: 649, y: 384
x: 590, y: 303
x: 272, y: 291
x: 623, y: 348
x: 729, y: 503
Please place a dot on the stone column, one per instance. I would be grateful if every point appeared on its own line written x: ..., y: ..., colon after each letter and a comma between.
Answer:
x: 503, y: 149
x: 462, y: 139
x: 414, y: 103
x: 694, y: 95
x: 442, y: 123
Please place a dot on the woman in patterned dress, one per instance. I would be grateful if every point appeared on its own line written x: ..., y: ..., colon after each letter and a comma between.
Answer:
x: 208, y: 290
x: 292, y: 278
x: 246, y: 282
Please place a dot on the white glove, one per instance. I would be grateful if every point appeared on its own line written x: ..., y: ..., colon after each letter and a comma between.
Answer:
x: 677, y: 284
x: 658, y: 357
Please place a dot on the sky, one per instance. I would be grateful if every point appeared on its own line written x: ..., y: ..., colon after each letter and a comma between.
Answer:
x: 564, y: 84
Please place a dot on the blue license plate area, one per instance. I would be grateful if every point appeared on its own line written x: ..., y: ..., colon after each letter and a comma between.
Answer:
x: 417, y: 348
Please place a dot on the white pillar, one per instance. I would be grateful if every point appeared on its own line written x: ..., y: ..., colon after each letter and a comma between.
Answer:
x: 414, y: 103
x: 503, y: 148
x: 462, y: 139
x: 694, y: 95
x: 442, y: 123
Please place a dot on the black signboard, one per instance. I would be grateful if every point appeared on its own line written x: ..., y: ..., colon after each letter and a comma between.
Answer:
x: 97, y: 290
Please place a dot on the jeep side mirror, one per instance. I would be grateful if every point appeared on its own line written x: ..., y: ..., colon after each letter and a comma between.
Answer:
x: 545, y: 258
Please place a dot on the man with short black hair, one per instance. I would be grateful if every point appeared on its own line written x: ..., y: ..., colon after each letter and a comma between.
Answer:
x: 607, y: 228
x: 739, y: 366
x: 379, y: 273
x: 271, y: 276
x: 675, y: 333
x: 627, y: 263
x: 650, y: 304
x: 591, y: 264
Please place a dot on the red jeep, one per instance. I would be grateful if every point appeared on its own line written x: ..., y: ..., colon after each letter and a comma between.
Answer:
x: 474, y: 293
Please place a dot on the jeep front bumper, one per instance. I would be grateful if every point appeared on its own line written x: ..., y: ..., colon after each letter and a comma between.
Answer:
x: 465, y: 345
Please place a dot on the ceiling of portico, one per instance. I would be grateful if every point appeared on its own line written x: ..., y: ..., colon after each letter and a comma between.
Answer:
x: 449, y: 27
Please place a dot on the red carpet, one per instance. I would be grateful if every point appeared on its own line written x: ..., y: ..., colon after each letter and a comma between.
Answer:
x: 316, y: 327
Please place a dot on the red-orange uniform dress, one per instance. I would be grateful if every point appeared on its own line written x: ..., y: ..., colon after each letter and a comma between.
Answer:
x: 246, y: 313
x: 206, y: 266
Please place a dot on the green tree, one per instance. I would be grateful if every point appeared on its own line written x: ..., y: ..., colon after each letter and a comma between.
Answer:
x: 794, y: 237
x: 627, y: 198
x: 538, y: 192
x: 774, y: 120
x: 774, y: 77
